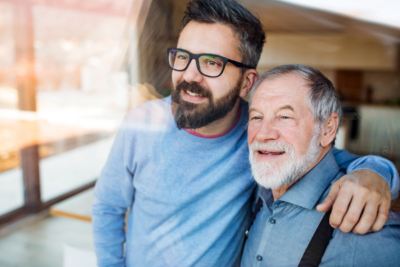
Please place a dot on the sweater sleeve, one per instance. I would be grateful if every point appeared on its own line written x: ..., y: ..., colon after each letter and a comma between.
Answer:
x: 379, y: 165
x: 114, y: 194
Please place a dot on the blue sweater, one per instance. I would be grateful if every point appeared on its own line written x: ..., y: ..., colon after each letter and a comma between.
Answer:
x: 189, y: 197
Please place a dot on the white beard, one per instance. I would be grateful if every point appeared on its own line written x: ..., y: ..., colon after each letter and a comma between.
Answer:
x: 269, y: 175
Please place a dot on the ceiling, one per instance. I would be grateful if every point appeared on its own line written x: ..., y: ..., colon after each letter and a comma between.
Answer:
x: 282, y: 17
x: 384, y: 12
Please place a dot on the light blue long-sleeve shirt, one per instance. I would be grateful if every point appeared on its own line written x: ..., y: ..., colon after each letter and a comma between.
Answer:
x: 283, y: 228
x: 189, y: 197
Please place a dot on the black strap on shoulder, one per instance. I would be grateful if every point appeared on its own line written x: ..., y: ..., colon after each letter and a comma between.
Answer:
x: 256, y: 210
x: 318, y: 244
x: 246, y: 234
x: 320, y: 240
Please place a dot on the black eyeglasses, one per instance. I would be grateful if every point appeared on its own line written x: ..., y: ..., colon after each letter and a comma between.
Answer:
x: 208, y: 64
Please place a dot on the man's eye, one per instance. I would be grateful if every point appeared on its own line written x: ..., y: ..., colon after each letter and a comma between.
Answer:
x: 212, y: 63
x: 182, y: 57
x: 256, y: 118
x: 285, y: 117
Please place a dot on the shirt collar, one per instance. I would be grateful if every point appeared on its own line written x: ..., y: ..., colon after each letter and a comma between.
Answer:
x: 308, y: 190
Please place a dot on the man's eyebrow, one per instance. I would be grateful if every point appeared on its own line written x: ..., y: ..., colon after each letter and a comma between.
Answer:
x: 283, y: 107
x: 286, y: 107
x: 252, y: 109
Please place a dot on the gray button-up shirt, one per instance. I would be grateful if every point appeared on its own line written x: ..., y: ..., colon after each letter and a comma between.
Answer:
x: 283, y: 229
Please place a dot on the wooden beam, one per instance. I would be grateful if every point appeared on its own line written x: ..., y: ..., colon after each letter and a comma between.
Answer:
x: 60, y: 213
x: 30, y: 167
x: 26, y: 84
x: 21, y: 213
x: 78, y: 190
x: 24, y: 56
x: 12, y: 217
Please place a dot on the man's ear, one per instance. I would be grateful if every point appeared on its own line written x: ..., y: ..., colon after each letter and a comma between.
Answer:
x: 329, y: 129
x: 251, y: 77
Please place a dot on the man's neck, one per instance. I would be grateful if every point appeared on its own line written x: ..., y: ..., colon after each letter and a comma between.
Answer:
x: 278, y: 192
x: 222, y: 125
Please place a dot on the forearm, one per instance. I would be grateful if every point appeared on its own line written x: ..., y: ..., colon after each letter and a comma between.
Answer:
x: 108, y: 234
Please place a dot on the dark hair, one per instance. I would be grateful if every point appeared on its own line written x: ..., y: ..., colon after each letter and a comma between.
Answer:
x: 245, y: 25
x: 322, y: 98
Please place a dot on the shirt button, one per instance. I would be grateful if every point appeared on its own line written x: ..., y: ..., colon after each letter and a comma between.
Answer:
x: 272, y: 221
x: 259, y: 258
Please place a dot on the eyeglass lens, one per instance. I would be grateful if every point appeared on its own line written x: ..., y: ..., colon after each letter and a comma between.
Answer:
x: 209, y: 65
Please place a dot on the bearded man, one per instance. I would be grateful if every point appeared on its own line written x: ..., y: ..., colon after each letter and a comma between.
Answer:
x: 293, y: 119
x: 181, y: 163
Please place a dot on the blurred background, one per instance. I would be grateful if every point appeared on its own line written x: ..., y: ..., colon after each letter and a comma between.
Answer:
x: 70, y: 70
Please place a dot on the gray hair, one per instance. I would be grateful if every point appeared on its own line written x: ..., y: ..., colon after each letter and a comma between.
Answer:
x: 322, y: 98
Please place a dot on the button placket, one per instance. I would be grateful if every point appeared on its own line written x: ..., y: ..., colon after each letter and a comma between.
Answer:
x: 277, y: 209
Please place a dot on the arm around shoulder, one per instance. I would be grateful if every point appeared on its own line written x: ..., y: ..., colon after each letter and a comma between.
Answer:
x: 383, y: 167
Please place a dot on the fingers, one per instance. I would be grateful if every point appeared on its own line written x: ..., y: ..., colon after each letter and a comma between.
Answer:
x: 363, y: 199
x: 361, y: 192
x: 367, y: 220
x: 330, y: 199
x: 342, y: 203
x: 383, y: 214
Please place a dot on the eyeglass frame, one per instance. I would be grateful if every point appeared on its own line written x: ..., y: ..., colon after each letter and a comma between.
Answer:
x: 196, y: 58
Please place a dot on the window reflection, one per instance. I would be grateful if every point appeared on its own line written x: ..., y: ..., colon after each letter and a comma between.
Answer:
x: 62, y: 96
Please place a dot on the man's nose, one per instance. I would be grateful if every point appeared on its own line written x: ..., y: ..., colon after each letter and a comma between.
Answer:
x: 267, y: 132
x: 192, y: 74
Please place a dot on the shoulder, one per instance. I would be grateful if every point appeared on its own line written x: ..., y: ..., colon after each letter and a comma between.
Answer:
x: 380, y: 248
x: 150, y: 108
x: 372, y: 249
x: 150, y: 116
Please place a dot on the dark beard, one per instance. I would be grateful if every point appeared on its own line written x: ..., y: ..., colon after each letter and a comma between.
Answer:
x: 193, y: 116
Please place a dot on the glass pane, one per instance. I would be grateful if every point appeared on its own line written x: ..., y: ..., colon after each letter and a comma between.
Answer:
x: 11, y: 181
x: 81, y: 95
x: 376, y: 131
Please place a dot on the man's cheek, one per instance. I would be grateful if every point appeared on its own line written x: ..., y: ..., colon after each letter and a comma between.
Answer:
x: 252, y: 132
x: 176, y: 77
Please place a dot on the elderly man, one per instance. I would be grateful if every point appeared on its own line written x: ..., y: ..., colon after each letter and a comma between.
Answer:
x: 294, y: 117
x: 180, y: 164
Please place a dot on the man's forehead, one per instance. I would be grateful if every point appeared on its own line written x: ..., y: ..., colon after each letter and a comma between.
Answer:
x: 291, y: 85
x: 213, y: 38
x: 288, y: 89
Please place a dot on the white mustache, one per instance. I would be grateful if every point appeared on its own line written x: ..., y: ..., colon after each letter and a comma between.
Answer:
x: 271, y: 145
